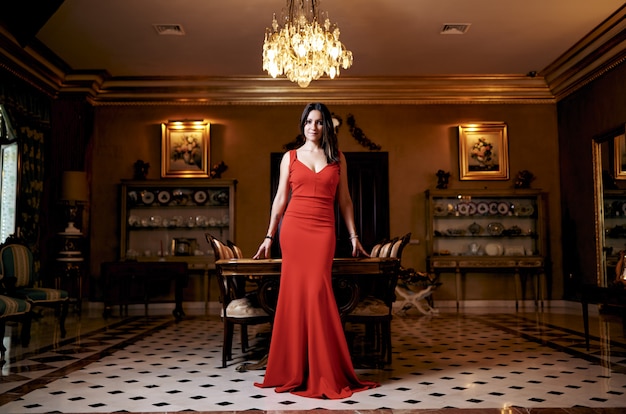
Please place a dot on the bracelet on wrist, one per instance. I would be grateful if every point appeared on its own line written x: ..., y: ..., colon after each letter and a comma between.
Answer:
x: 269, y: 237
x: 354, y: 236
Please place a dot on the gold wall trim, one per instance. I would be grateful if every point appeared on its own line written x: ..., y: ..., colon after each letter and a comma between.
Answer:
x: 597, y: 53
x: 600, y: 51
x: 38, y: 66
x: 364, y: 90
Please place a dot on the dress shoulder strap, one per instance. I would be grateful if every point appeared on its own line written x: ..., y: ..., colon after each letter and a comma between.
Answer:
x: 293, y: 156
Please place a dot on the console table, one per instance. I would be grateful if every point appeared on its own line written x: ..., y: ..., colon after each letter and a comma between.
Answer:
x: 132, y: 282
x: 461, y: 265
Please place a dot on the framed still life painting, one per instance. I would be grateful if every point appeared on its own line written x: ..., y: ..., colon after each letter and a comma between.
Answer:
x: 185, y: 149
x: 483, y: 151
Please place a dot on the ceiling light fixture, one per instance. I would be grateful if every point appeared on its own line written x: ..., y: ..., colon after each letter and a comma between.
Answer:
x: 302, y: 49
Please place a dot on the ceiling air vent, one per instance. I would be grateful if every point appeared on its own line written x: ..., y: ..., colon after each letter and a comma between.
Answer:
x: 169, y: 29
x: 455, y: 28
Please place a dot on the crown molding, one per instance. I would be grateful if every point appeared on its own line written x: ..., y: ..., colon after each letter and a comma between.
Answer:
x: 600, y: 51
x: 40, y: 67
x: 597, y: 53
x: 363, y: 90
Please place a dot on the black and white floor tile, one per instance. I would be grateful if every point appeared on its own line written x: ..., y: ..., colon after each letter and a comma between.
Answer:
x: 480, y: 359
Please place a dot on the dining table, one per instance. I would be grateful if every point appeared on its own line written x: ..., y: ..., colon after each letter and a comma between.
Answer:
x: 351, y: 277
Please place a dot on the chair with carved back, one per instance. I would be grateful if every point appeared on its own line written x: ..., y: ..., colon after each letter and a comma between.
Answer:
x: 376, y: 249
x: 374, y: 310
x: 385, y: 249
x: 19, y: 279
x: 235, y: 249
x: 238, y: 307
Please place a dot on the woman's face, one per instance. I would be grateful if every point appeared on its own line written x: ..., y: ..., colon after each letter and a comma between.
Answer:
x: 313, y: 126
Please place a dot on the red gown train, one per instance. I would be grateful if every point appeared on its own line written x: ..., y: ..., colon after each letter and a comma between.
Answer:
x: 308, y: 352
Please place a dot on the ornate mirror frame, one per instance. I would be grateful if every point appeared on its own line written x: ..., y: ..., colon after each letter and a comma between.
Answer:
x: 609, y: 140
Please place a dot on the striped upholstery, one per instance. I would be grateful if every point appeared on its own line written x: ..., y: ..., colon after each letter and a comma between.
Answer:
x: 14, y: 309
x: 12, y: 306
x: 17, y: 262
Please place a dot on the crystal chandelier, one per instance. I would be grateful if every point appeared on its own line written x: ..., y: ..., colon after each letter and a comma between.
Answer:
x: 302, y: 49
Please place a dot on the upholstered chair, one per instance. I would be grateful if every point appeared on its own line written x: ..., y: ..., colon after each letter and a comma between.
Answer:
x: 20, y: 281
x: 374, y: 310
x: 238, y: 306
x: 14, y: 309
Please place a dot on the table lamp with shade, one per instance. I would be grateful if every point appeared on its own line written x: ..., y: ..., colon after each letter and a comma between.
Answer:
x: 73, y: 196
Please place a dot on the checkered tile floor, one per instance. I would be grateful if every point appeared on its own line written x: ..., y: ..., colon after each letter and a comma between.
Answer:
x: 466, y: 360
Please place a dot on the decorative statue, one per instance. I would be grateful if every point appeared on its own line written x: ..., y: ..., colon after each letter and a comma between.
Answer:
x: 442, y: 179
x: 141, y: 170
x: 218, y: 169
x: 523, y: 179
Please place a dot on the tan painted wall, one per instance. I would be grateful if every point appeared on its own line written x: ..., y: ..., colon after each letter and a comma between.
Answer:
x: 420, y: 140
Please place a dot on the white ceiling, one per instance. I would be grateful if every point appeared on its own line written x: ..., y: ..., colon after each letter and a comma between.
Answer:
x: 387, y: 37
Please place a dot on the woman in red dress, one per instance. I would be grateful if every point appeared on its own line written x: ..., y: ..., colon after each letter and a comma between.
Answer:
x: 308, y: 352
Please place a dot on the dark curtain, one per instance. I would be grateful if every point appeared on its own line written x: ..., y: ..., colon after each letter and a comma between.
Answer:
x: 28, y: 110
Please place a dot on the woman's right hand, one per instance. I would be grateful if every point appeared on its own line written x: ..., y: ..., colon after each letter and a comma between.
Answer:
x: 264, y: 250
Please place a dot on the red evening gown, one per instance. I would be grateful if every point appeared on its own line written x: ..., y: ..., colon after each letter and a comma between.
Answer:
x: 308, y: 351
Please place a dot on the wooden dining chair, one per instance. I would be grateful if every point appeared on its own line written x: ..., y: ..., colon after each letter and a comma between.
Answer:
x: 235, y: 249
x: 374, y: 310
x: 238, y: 307
x: 385, y: 249
x: 376, y: 249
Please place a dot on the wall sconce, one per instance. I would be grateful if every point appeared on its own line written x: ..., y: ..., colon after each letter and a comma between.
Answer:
x: 73, y: 196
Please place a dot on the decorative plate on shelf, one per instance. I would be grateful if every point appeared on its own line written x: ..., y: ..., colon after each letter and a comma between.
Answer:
x: 472, y: 208
x: 503, y: 208
x: 147, y: 197
x: 220, y: 197
x: 493, y: 249
x: 164, y: 196
x: 463, y: 208
x: 482, y: 208
x: 493, y: 208
x: 525, y: 209
x: 200, y: 197
x: 134, y: 221
x: 495, y: 229
x: 439, y: 209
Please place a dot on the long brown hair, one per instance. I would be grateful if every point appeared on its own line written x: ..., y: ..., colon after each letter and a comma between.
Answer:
x: 329, y: 138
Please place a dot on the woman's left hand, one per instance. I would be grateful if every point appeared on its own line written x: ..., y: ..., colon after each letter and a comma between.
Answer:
x: 357, y: 249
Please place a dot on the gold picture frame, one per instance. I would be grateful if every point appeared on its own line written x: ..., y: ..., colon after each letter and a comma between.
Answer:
x: 619, y: 157
x: 483, y: 151
x: 185, y: 149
